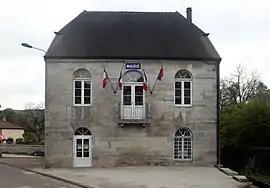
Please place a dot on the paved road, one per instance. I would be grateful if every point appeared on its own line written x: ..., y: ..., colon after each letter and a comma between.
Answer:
x: 14, y: 178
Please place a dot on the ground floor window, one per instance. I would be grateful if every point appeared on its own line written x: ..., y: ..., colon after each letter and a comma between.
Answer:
x: 183, y: 144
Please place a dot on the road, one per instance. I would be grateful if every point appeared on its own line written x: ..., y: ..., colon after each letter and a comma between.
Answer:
x: 15, y: 178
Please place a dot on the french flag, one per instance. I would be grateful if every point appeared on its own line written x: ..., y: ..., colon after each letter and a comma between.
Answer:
x: 161, y: 73
x: 105, y: 78
x: 120, y: 81
x: 145, y: 84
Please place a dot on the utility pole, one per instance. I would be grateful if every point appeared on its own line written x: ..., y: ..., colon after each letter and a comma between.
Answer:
x: 0, y: 142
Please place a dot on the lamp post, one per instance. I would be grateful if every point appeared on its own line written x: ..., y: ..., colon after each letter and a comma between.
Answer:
x: 29, y: 46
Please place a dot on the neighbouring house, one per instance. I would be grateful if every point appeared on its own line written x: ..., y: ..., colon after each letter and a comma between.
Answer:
x: 131, y: 88
x: 9, y: 132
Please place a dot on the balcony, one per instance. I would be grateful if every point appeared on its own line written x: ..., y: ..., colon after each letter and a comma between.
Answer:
x: 133, y: 113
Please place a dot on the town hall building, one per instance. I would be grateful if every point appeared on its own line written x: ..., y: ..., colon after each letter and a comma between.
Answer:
x: 131, y: 88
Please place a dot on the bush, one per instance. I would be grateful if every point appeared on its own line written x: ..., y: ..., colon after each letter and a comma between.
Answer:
x: 244, y: 133
x: 19, y: 141
x: 30, y: 138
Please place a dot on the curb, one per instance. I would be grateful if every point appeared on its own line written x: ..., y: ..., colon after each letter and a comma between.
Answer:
x: 50, y: 176
x: 235, y: 176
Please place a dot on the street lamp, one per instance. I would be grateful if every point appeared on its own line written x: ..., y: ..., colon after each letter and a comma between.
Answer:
x: 29, y: 46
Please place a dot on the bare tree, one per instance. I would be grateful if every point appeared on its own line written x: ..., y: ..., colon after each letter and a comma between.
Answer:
x: 240, y: 87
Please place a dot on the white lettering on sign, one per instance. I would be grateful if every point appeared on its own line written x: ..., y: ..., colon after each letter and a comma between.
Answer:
x: 133, y: 66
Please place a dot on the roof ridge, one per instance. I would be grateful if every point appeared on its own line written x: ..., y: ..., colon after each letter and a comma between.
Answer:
x: 130, y: 12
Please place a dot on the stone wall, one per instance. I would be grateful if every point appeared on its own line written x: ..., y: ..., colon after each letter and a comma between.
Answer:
x: 113, y: 144
x: 20, y: 149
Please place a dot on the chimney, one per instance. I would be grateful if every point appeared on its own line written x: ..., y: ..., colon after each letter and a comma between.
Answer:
x: 189, y: 14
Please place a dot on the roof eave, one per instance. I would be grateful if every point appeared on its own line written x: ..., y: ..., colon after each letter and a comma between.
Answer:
x: 218, y: 59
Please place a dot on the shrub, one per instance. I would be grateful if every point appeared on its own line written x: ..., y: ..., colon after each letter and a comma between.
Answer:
x: 19, y: 141
x: 30, y: 138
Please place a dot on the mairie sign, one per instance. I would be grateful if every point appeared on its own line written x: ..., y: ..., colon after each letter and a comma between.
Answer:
x: 133, y: 66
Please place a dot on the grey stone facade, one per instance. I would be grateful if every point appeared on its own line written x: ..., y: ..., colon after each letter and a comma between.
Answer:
x: 129, y: 145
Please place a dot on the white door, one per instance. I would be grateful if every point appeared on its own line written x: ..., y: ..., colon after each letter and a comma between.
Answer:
x: 133, y: 105
x: 82, y: 150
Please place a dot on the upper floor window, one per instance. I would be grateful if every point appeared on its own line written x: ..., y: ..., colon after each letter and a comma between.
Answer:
x: 183, y: 88
x: 82, y: 88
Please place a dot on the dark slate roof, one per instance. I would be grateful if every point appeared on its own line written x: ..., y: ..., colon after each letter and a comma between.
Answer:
x: 131, y: 35
x: 7, y: 125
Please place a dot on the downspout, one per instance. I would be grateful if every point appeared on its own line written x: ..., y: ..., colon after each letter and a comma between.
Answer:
x: 218, y: 112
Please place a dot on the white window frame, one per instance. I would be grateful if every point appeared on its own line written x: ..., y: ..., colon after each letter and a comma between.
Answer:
x: 82, y: 80
x: 183, y: 80
x: 182, y: 141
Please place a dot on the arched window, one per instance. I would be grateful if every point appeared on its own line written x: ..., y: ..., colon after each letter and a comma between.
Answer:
x: 183, y: 88
x: 133, y: 76
x: 82, y: 88
x: 82, y: 131
x: 183, y: 144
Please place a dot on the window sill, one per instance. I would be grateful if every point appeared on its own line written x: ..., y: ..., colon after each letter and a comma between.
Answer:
x: 183, y: 160
x: 82, y: 105
x: 185, y: 106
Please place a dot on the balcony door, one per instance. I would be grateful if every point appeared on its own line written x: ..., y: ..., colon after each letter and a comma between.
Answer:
x: 133, y: 101
x: 133, y: 97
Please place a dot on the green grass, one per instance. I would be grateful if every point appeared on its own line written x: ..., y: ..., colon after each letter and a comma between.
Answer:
x: 261, y: 177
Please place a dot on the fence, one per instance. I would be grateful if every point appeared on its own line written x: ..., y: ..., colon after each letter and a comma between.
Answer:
x: 20, y: 149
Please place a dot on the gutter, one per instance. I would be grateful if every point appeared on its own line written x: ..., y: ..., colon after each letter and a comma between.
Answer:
x: 46, y: 57
x: 218, y: 112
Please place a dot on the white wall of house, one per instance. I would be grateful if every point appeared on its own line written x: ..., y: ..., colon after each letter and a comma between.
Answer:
x: 12, y: 133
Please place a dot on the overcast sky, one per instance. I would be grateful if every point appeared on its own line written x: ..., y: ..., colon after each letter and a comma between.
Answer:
x: 239, y: 29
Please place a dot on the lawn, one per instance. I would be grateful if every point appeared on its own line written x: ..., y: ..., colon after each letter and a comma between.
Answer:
x: 261, y: 177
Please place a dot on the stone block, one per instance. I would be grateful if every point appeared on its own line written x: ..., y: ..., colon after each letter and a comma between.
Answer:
x: 228, y: 171
x: 240, y: 178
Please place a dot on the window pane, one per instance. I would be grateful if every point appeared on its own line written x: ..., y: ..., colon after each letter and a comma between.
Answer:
x: 187, y: 93
x: 78, y: 92
x: 78, y: 84
x: 138, y: 100
x: 86, y: 147
x: 187, y: 85
x: 87, y: 92
x: 86, y: 144
x: 177, y: 92
x: 187, y: 100
x: 87, y: 84
x: 138, y: 90
x: 127, y: 100
x: 87, y: 100
x: 78, y: 100
x: 79, y: 141
x: 79, y: 154
x: 177, y: 100
x: 79, y: 147
x: 177, y: 85
x: 140, y: 79
x: 127, y: 90
x: 86, y: 154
